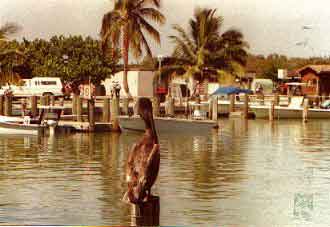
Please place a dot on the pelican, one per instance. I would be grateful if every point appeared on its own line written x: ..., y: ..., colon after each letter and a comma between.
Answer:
x: 144, y: 159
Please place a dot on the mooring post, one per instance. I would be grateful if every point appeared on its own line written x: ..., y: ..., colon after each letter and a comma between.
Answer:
x: 34, y: 105
x: 47, y: 100
x: 276, y: 99
x: 147, y: 213
x: 246, y: 106
x: 156, y: 106
x: 305, y: 111
x: 232, y: 103
x: 262, y: 99
x: 79, y: 108
x: 271, y: 111
x: 135, y: 106
x: 106, y: 110
x: 170, y: 110
x: 125, y: 105
x: 91, y: 114
x: 8, y: 105
x: 115, y: 112
x: 74, y: 104
x: 1, y: 105
x: 215, y: 108
x: 43, y: 100
x: 52, y: 100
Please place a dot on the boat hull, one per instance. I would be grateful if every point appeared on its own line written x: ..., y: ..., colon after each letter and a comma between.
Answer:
x: 20, y: 129
x: 262, y: 112
x: 167, y: 124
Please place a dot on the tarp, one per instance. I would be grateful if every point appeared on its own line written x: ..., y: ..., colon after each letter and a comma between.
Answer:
x: 231, y: 90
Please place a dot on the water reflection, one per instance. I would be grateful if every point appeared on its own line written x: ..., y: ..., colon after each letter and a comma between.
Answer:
x: 247, y: 173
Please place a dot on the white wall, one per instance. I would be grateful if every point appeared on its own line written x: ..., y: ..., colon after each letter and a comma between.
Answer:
x: 140, y: 83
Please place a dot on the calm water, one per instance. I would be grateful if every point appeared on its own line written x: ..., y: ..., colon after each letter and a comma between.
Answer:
x: 246, y: 174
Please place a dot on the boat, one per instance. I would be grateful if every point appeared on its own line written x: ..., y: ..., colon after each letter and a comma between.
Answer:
x: 285, y: 112
x: 19, y: 128
x: 48, y: 118
x: 293, y: 111
x: 167, y: 124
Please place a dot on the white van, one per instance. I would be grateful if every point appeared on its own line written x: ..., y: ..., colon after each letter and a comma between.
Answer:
x: 36, y: 86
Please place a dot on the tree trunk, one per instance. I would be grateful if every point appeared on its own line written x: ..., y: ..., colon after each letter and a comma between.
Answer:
x: 125, y: 50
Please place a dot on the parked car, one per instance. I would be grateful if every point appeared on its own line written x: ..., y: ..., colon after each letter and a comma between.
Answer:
x: 36, y: 86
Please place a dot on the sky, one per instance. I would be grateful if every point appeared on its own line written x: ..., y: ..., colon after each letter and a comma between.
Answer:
x: 268, y: 25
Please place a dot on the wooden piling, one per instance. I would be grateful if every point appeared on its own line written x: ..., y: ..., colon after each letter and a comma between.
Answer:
x: 262, y: 99
x: 74, y: 104
x: 79, y: 108
x: 52, y: 100
x: 114, y: 112
x: 106, y: 110
x: 170, y: 110
x: 305, y: 111
x: 43, y: 100
x: 135, y: 107
x: 246, y: 106
x: 34, y: 105
x: 1, y: 105
x: 147, y: 213
x: 232, y: 103
x: 91, y: 114
x: 271, y: 111
x: 215, y: 108
x: 8, y: 105
x: 125, y: 105
x: 276, y: 99
x: 156, y: 106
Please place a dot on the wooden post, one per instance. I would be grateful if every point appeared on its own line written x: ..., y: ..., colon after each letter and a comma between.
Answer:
x: 43, y: 101
x: 74, y: 104
x: 8, y: 105
x: 125, y: 105
x: 115, y: 113
x: 147, y: 213
x: 246, y: 106
x: 156, y: 106
x: 106, y: 110
x: 1, y: 104
x: 276, y: 99
x: 170, y: 110
x: 91, y: 114
x: 79, y: 108
x: 305, y: 111
x: 52, y: 100
x: 47, y: 100
x: 214, y: 108
x: 271, y: 111
x: 232, y: 103
x: 262, y: 99
x: 34, y: 105
x: 135, y: 107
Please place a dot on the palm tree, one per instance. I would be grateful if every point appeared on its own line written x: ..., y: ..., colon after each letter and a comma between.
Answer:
x: 203, y: 51
x: 7, y: 74
x: 127, y: 24
x: 8, y: 29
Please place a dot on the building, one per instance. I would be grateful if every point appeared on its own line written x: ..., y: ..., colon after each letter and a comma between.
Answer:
x: 140, y: 83
x: 316, y: 79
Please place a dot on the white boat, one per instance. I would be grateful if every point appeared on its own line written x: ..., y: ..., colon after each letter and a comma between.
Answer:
x: 289, y: 112
x: 18, y: 128
x: 27, y: 126
x: 167, y: 124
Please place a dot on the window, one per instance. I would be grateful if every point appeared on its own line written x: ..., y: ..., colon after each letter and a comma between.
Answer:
x: 48, y: 82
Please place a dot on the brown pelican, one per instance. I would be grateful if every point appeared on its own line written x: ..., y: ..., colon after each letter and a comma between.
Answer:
x: 144, y: 159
